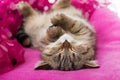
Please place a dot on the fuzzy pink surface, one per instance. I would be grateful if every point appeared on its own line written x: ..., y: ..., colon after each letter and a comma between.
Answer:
x: 107, y: 26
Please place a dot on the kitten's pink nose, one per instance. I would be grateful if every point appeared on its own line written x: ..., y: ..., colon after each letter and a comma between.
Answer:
x: 66, y: 44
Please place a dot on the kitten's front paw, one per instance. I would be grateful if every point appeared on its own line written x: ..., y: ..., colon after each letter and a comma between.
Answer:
x: 58, y: 19
x: 54, y: 31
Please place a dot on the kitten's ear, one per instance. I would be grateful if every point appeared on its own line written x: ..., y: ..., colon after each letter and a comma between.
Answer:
x: 92, y: 64
x: 42, y: 65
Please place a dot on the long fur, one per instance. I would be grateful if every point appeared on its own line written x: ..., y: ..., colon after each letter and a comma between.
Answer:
x: 64, y: 36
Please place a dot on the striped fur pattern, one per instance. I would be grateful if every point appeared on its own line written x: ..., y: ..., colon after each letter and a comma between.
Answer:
x: 66, y: 39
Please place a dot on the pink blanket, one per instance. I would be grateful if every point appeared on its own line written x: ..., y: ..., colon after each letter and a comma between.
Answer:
x: 107, y: 26
x: 11, y: 52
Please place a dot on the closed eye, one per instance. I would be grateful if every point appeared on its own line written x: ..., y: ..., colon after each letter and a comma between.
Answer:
x: 86, y: 52
x: 73, y: 55
x: 59, y: 56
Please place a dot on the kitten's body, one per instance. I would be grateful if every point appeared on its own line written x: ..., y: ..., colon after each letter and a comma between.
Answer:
x: 62, y: 34
x: 38, y: 24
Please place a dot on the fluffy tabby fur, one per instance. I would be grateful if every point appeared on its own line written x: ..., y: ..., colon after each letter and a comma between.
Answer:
x: 66, y: 39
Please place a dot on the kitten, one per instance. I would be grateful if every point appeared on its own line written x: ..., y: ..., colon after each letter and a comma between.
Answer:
x: 66, y: 39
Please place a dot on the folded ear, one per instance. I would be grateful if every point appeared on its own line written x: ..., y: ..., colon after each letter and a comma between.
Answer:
x: 42, y: 65
x: 92, y: 64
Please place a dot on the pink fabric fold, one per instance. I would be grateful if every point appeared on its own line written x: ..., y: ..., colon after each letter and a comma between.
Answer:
x: 11, y: 54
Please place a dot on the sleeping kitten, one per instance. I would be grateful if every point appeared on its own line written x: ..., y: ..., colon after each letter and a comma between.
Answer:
x: 66, y: 39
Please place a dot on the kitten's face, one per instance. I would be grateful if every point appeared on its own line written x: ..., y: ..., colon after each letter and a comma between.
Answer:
x: 65, y: 56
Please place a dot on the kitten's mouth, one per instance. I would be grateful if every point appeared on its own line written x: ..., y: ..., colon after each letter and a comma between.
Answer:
x: 66, y: 44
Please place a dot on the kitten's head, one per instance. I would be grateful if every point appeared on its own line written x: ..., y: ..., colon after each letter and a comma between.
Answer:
x: 66, y: 56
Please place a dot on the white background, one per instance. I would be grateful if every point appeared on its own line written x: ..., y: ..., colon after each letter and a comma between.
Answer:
x: 115, y: 6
